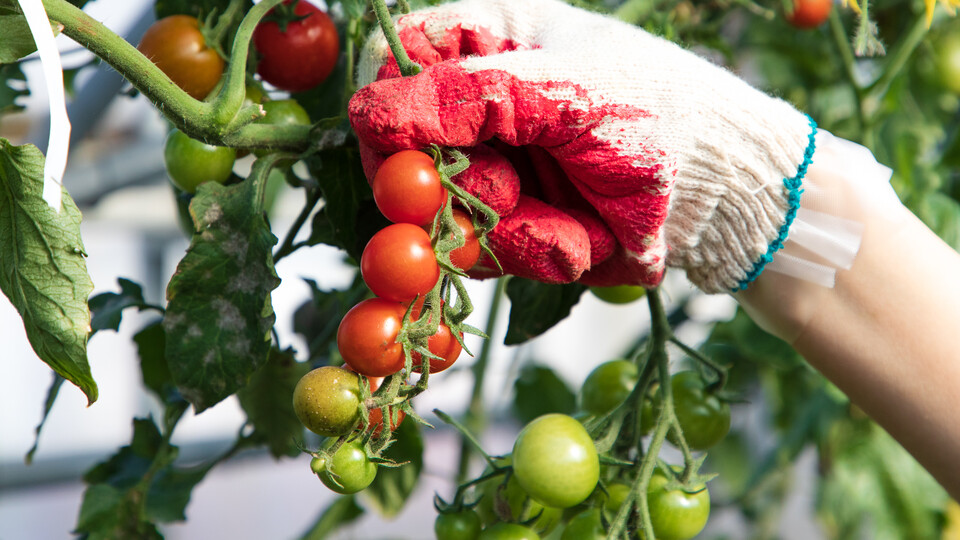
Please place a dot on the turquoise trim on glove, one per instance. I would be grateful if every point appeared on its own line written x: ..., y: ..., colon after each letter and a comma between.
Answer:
x: 793, y: 186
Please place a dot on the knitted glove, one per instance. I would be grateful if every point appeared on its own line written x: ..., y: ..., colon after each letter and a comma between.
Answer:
x: 608, y: 152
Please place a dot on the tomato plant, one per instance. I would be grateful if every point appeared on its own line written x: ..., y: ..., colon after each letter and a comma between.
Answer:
x: 607, y: 386
x: 177, y: 46
x: 297, y: 54
x: 703, y: 417
x: 509, y: 502
x: 809, y: 14
x: 191, y: 162
x: 407, y: 188
x: 675, y: 513
x: 349, y: 469
x: 399, y: 264
x: 327, y: 401
x: 367, y: 337
x: 462, y: 525
x: 555, y: 461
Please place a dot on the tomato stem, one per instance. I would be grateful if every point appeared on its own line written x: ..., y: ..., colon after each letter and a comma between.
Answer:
x: 407, y: 66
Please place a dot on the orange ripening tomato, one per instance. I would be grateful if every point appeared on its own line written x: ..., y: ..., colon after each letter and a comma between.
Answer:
x: 809, y: 14
x: 176, y: 45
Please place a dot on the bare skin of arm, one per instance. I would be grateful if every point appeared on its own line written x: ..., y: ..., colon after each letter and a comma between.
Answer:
x: 888, y: 333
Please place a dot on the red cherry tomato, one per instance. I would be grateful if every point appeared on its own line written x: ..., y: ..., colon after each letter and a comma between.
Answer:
x: 407, y: 188
x: 177, y: 47
x: 442, y: 344
x: 376, y: 420
x: 466, y: 256
x: 367, y: 337
x: 809, y: 14
x: 398, y: 263
x: 302, y: 56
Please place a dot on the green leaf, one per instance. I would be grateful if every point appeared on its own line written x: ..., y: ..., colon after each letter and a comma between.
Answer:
x: 219, y: 314
x: 17, y: 39
x: 875, y: 489
x: 52, y: 394
x: 342, y: 510
x: 536, y: 307
x: 107, y: 307
x: 42, y: 267
x: 268, y: 401
x: 345, y: 219
x: 539, y: 391
x: 317, y: 320
x: 13, y: 84
x: 170, y: 491
x: 154, y: 371
x: 393, y: 485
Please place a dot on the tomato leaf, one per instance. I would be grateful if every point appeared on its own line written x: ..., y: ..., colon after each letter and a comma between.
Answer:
x: 17, y: 39
x: 344, y: 217
x: 52, y: 394
x: 536, y: 307
x: 392, y: 487
x: 151, y: 347
x: 42, y: 269
x: 13, y: 84
x: 342, y: 510
x: 538, y: 391
x: 107, y: 307
x: 268, y: 401
x: 219, y: 314
x: 170, y: 492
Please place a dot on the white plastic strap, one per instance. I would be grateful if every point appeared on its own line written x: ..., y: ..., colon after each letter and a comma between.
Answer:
x: 58, y: 144
x: 833, y: 241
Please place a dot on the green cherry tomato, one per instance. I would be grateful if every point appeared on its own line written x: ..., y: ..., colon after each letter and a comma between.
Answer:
x: 616, y: 495
x: 511, y: 503
x: 318, y: 465
x: 555, y: 461
x: 675, y: 514
x: 191, y: 162
x: 619, y: 294
x: 508, y: 531
x: 284, y: 112
x: 947, y: 58
x: 607, y: 386
x: 702, y: 416
x: 585, y: 526
x: 463, y: 525
x: 327, y: 401
x: 349, y: 470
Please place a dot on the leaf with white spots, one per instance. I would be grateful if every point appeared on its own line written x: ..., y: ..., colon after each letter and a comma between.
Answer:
x: 219, y: 315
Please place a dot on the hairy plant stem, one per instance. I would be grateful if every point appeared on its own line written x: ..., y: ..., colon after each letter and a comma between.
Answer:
x: 475, y: 417
x: 407, y: 66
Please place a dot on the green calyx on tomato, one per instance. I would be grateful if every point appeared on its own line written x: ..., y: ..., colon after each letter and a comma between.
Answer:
x: 191, y: 162
x: 349, y: 469
x: 327, y: 401
x: 607, y: 386
x: 676, y: 513
x: 702, y: 415
x: 555, y: 461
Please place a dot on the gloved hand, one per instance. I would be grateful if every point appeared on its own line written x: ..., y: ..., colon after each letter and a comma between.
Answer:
x: 608, y: 152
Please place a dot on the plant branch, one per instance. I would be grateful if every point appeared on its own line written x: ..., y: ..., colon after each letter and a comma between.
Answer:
x: 313, y: 197
x: 407, y: 66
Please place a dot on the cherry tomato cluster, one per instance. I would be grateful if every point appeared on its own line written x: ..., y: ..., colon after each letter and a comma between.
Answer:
x: 550, y: 480
x: 298, y: 47
x: 400, y: 266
